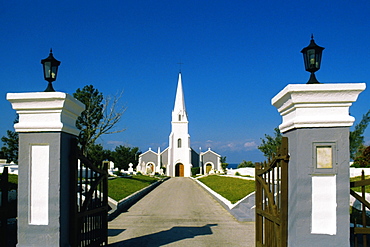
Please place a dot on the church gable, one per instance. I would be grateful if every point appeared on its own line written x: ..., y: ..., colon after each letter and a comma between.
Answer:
x: 210, y: 156
x: 148, y: 162
x: 210, y: 153
x: 211, y: 161
x: 148, y: 155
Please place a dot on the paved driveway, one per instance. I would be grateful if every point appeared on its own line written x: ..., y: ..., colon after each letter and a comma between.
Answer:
x: 179, y: 213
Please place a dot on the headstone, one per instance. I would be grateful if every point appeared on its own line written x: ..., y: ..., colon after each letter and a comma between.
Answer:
x: 130, y: 169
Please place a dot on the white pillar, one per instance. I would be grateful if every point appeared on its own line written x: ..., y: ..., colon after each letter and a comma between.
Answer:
x: 158, y: 168
x: 315, y: 118
x: 46, y: 132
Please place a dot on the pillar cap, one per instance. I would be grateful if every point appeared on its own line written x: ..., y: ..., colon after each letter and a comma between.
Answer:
x: 46, y: 112
x: 316, y: 105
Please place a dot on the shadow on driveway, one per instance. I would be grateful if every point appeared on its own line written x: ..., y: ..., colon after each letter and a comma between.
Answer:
x: 172, y: 235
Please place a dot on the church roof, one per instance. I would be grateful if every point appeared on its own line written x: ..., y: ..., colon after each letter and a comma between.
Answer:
x: 149, y: 151
x: 210, y: 151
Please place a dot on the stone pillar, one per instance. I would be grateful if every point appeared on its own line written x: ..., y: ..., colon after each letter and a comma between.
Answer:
x: 316, y: 120
x: 46, y: 132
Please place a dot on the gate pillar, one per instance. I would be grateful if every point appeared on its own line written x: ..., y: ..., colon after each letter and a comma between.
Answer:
x: 46, y: 132
x: 315, y: 118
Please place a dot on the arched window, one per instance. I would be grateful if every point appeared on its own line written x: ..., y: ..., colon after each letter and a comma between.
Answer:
x: 179, y: 143
x: 179, y: 117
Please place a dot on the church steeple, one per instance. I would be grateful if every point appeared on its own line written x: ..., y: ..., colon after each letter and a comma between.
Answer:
x: 179, y: 111
x: 179, y: 151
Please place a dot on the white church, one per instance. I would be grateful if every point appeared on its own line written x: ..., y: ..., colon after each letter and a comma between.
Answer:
x: 178, y: 159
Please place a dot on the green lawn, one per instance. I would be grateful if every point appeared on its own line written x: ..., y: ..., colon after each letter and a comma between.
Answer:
x: 120, y: 188
x: 233, y: 189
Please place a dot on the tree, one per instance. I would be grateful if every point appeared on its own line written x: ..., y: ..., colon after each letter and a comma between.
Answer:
x: 271, y: 144
x: 224, y: 165
x: 246, y: 164
x: 123, y: 156
x: 100, y: 116
x: 9, y: 150
x: 97, y: 154
x: 363, y: 160
x: 356, y: 138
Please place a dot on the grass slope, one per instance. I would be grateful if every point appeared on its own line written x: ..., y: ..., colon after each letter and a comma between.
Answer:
x: 120, y: 188
x: 358, y: 189
x: 233, y: 189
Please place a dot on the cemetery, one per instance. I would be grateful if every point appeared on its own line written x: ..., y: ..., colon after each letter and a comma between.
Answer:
x: 300, y: 196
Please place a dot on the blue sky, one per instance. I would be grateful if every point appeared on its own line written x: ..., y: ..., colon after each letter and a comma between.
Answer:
x: 236, y: 56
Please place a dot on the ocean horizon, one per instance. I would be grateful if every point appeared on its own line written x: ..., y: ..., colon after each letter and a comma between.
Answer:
x: 233, y: 166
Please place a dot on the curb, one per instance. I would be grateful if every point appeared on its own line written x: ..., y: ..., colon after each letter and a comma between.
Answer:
x: 124, y: 204
x: 247, y: 214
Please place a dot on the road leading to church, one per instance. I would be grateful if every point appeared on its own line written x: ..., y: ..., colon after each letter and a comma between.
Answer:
x: 179, y: 213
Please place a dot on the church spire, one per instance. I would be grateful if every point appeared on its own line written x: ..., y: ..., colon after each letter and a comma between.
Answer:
x: 179, y: 111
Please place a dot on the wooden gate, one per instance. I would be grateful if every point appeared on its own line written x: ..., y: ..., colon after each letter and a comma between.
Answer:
x: 272, y: 200
x: 359, y: 218
x: 90, y: 207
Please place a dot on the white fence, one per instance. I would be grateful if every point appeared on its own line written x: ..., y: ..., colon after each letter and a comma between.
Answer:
x: 354, y: 172
x: 242, y: 171
x: 13, y: 168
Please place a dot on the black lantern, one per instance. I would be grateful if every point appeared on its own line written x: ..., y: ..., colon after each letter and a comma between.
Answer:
x: 50, y: 66
x: 312, y: 59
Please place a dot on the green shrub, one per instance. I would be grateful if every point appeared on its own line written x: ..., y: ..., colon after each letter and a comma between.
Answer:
x: 237, y: 174
x: 163, y: 169
x: 246, y: 164
x: 195, y: 170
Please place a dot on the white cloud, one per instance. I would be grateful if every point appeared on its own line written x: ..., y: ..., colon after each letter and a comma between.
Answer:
x: 250, y: 145
x: 115, y: 143
x: 233, y: 146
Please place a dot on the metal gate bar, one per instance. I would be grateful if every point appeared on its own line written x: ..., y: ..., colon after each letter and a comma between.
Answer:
x: 90, y: 207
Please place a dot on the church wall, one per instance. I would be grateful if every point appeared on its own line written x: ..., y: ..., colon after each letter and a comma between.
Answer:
x: 194, y: 158
x: 164, y: 158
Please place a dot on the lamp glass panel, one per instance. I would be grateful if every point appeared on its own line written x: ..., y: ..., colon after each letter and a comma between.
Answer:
x: 311, y: 58
x: 318, y: 59
x: 47, y: 69
x: 54, y: 72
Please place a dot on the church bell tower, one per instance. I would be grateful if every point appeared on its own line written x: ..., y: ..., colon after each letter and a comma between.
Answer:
x: 179, y: 140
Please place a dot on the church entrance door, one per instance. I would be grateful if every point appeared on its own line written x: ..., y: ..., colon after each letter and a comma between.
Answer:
x: 179, y: 170
x: 208, y: 168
